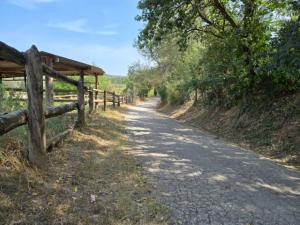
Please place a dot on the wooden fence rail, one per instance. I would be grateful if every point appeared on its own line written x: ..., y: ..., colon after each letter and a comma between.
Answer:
x: 34, y: 116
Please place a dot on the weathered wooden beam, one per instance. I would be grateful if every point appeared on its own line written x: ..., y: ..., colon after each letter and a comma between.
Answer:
x: 49, y: 84
x: 11, y: 54
x: 56, y: 90
x: 66, y: 100
x: 100, y: 91
x: 114, y: 99
x: 55, y: 100
x: 36, y: 117
x: 57, y: 139
x: 104, y: 100
x: 80, y: 94
x: 12, y: 120
x: 91, y: 101
x: 96, y: 92
x: 99, y: 101
x: 65, y: 91
x: 59, y: 110
x: 65, y: 96
x: 57, y: 75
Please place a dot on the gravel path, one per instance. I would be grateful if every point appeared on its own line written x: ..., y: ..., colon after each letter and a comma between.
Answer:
x: 206, y: 181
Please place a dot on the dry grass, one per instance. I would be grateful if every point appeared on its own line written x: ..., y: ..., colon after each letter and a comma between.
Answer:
x: 90, y: 180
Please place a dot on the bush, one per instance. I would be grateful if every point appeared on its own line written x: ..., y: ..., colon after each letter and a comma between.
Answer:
x: 162, y: 91
x: 175, y: 97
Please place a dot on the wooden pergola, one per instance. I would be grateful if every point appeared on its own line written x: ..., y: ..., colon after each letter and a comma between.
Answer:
x: 34, y: 66
x: 63, y: 65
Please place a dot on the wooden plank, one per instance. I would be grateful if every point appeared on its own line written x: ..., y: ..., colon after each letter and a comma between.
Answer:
x: 66, y: 100
x: 100, y: 91
x: 80, y: 93
x: 36, y: 117
x: 96, y: 91
x: 114, y: 99
x: 104, y: 101
x: 11, y: 54
x: 91, y: 101
x: 65, y: 96
x: 57, y: 75
x: 55, y: 100
x: 49, y: 84
x: 99, y: 101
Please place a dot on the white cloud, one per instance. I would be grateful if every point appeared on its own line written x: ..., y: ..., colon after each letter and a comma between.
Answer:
x: 30, y: 4
x: 111, y: 26
x: 107, y: 32
x: 80, y: 26
x: 75, y: 25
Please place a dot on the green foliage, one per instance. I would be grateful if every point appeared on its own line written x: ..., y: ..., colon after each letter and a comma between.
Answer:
x: 106, y: 82
x: 283, y: 70
x: 229, y: 51
x: 9, y: 101
x: 139, y: 82
x: 162, y: 91
x: 112, y: 83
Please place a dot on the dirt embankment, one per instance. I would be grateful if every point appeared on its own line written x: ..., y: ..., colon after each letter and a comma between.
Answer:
x: 271, y: 128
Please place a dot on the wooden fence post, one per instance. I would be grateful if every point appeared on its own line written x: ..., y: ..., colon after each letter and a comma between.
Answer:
x: 91, y: 100
x: 104, y: 100
x: 114, y: 100
x: 36, y: 118
x: 96, y: 92
x: 49, y: 84
x: 80, y: 95
x: 119, y: 103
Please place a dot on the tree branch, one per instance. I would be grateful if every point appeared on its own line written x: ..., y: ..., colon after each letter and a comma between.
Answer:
x: 225, y: 14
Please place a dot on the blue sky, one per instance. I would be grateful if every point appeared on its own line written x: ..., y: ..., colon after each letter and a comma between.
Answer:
x: 92, y: 31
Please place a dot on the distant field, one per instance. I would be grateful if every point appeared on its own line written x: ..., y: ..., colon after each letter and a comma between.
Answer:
x: 108, y: 82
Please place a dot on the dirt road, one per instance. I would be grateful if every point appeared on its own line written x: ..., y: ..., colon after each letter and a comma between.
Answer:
x: 206, y: 181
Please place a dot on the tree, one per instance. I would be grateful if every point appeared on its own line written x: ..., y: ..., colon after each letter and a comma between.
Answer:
x: 246, y: 24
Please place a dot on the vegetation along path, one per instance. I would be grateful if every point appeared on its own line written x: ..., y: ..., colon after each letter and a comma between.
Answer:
x: 206, y: 181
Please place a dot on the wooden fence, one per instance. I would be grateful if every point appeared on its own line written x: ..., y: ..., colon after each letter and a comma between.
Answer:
x: 35, y: 114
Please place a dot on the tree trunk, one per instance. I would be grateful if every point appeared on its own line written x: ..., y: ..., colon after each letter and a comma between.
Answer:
x: 196, y: 97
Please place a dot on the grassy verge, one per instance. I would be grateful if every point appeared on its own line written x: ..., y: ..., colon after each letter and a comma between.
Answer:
x: 90, y: 180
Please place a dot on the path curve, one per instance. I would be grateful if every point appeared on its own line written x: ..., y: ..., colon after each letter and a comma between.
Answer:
x: 206, y: 181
